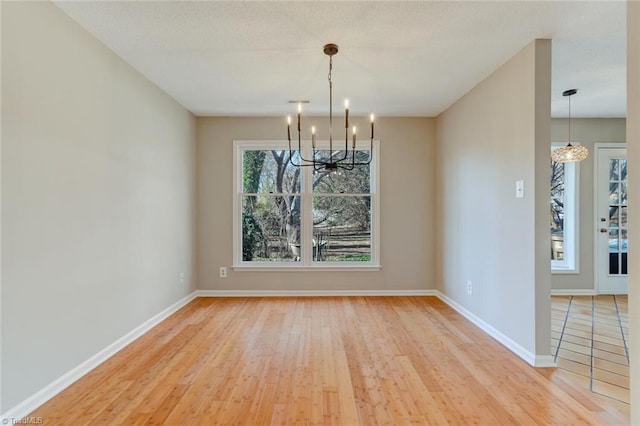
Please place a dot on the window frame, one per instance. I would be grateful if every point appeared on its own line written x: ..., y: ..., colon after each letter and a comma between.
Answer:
x: 571, y: 223
x: 306, y: 194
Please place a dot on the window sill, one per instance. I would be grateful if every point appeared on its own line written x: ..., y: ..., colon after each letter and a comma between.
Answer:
x: 323, y: 268
x: 565, y: 272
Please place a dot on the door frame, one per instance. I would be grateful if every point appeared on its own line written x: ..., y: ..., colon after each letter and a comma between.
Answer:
x: 596, y: 207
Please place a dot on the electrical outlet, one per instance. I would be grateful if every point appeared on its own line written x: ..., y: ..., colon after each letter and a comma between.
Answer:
x: 469, y: 287
x: 223, y: 272
x: 181, y: 276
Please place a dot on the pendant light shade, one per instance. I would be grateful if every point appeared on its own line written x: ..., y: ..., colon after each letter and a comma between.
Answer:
x: 569, y: 153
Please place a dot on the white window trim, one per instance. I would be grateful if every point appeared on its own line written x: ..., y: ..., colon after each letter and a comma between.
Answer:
x: 570, y: 264
x: 306, y: 263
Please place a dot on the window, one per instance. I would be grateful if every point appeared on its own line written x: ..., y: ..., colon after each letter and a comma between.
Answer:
x: 564, y: 218
x: 293, y: 217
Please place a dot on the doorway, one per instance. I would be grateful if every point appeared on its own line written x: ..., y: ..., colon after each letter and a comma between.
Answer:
x: 611, y: 236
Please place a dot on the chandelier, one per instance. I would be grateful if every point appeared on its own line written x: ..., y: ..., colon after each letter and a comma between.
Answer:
x: 569, y: 153
x: 342, y: 159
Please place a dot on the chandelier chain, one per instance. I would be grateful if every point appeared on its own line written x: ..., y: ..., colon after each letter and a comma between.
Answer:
x: 330, y: 105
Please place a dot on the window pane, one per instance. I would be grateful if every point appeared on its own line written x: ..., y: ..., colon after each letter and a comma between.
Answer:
x: 270, y: 228
x: 266, y: 171
x: 557, y: 247
x: 342, y: 228
x: 613, y: 216
x: 613, y: 240
x: 614, y: 169
x: 623, y: 217
x: 613, y: 263
x: 356, y: 181
x: 613, y: 193
x: 557, y: 180
x: 557, y: 210
x: 623, y: 193
x: 557, y: 229
x: 623, y: 170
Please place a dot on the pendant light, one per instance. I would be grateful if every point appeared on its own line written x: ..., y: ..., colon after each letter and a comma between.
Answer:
x: 569, y: 153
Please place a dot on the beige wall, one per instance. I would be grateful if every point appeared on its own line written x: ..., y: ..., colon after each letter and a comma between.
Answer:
x: 496, y: 134
x: 98, y: 198
x: 633, y: 153
x: 406, y: 212
x: 587, y: 131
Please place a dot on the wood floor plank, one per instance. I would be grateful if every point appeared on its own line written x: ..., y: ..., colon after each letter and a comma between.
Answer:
x: 619, y: 359
x: 614, y: 379
x: 324, y: 361
x: 576, y: 340
x: 614, y: 349
x: 612, y: 391
x: 614, y: 367
x: 574, y: 367
x: 581, y: 349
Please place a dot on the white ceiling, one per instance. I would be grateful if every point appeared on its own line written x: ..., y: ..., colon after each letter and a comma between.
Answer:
x: 396, y: 58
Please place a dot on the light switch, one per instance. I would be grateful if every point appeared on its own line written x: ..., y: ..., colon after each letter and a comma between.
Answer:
x: 519, y: 189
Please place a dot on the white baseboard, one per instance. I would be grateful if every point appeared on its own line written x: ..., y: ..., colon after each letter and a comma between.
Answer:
x: 52, y: 389
x: 544, y: 361
x: 33, y: 402
x: 311, y: 293
x: 573, y: 292
x: 532, y: 359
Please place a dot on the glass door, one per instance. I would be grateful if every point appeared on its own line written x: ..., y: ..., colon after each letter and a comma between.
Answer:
x: 611, y: 222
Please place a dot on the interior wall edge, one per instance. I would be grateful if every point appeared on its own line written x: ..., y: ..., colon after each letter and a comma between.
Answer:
x: 633, y: 156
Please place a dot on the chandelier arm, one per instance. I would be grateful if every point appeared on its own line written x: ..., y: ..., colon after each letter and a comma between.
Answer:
x: 306, y: 162
x: 299, y: 149
x: 349, y: 165
x: 291, y: 154
x: 366, y: 163
x: 344, y: 156
x: 291, y: 158
x: 317, y: 165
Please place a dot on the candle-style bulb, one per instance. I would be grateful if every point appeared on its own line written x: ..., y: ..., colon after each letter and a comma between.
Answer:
x: 354, y: 137
x: 346, y: 113
x: 371, y: 126
x: 289, y: 120
x: 313, y: 137
x: 299, y: 107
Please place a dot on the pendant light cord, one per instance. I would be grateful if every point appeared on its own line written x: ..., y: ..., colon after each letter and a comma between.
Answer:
x: 569, y: 121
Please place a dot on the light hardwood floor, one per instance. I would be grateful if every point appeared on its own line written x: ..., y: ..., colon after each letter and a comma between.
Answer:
x: 589, y: 338
x: 321, y: 361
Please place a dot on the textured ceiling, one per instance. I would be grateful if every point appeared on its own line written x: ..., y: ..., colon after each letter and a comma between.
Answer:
x: 396, y: 58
